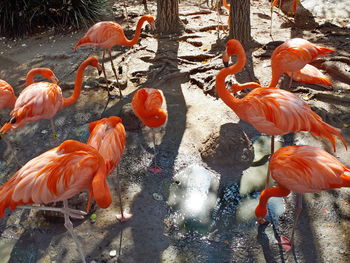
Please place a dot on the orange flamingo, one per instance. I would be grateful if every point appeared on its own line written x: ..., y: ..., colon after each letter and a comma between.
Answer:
x: 42, y: 100
x: 270, y: 110
x: 58, y: 175
x: 108, y: 137
x: 107, y: 34
x: 146, y: 105
x: 302, y: 169
x: 292, y: 56
x: 7, y: 94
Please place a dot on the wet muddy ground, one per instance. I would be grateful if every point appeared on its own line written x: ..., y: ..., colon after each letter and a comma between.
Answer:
x: 200, y: 209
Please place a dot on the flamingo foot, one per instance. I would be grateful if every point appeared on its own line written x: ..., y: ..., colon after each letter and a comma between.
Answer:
x: 124, y: 217
x: 285, y: 243
x: 155, y: 169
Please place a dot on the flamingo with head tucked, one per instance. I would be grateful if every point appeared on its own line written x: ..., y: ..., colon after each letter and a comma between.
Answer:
x: 302, y: 169
x: 146, y: 105
x: 107, y: 34
x: 58, y: 175
x: 108, y: 137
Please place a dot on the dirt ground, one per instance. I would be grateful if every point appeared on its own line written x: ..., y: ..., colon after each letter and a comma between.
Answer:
x: 200, y: 209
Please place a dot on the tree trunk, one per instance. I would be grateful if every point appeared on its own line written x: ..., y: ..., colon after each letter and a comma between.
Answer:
x: 168, y: 20
x: 240, y: 21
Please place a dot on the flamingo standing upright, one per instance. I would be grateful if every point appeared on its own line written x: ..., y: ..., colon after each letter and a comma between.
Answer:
x: 107, y: 34
x: 302, y: 169
x: 42, y: 100
x: 146, y: 105
x: 270, y: 110
x: 108, y: 137
x: 58, y: 175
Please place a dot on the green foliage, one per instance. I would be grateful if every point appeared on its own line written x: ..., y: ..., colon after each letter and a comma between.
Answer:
x: 20, y: 17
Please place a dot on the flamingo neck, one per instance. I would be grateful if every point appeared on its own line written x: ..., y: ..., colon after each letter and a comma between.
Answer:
x: 223, y: 93
x: 77, y: 87
x: 261, y: 209
x: 36, y: 71
x: 275, y: 78
x: 136, y: 37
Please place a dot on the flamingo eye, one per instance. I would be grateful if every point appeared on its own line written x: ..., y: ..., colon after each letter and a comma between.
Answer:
x: 12, y: 120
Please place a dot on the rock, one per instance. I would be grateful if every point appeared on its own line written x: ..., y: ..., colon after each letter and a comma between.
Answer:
x: 130, y: 121
x: 228, y: 147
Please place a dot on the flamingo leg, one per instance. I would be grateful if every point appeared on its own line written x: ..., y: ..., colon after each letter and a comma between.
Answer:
x: 290, y: 81
x: 155, y: 168
x: 123, y: 216
x: 298, y: 209
x: 115, y: 73
x: 104, y: 73
x: 53, y: 128
x: 73, y: 213
x: 8, y: 145
x: 268, y: 170
x: 68, y: 224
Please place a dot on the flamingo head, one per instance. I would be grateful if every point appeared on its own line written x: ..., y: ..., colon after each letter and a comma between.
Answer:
x: 260, y: 213
x: 150, y: 20
x: 93, y: 61
x: 48, y: 74
x: 233, y: 47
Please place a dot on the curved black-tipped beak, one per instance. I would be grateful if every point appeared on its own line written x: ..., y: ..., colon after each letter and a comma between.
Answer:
x: 225, y: 63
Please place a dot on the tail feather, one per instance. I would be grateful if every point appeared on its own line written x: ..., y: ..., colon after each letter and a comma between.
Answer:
x: 329, y: 132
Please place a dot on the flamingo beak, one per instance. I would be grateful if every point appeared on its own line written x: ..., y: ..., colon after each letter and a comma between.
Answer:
x: 225, y: 58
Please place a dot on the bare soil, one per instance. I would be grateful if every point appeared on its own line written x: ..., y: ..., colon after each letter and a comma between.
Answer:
x: 221, y: 226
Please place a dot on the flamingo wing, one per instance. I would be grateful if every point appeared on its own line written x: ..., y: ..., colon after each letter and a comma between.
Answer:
x: 307, y: 169
x: 276, y: 112
x: 295, y: 53
x: 108, y: 138
x: 55, y: 175
x: 104, y: 34
x: 41, y: 100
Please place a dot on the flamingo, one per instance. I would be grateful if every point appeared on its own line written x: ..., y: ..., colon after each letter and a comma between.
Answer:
x: 7, y: 94
x: 146, y: 105
x: 108, y: 137
x: 57, y: 175
x: 42, y: 100
x: 271, y: 110
x: 292, y: 56
x: 107, y: 34
x: 302, y: 169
